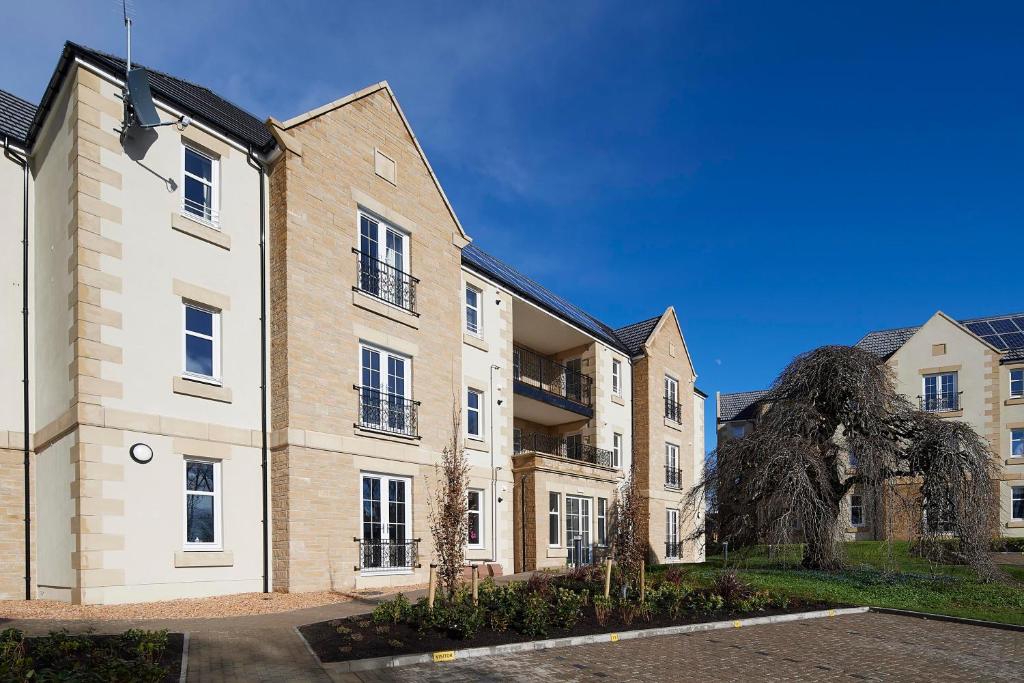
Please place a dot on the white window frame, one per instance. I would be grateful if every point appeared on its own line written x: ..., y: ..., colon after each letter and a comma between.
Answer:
x: 218, y: 536
x: 214, y: 220
x: 381, y: 240
x: 602, y: 522
x: 384, y: 355
x: 479, y: 512
x: 584, y: 516
x: 617, y: 449
x: 672, y: 388
x: 672, y: 532
x: 479, y: 410
x: 940, y: 395
x: 616, y: 377
x: 1017, y: 377
x: 555, y: 515
x: 478, y: 329
x: 215, y: 338
x: 1016, y: 493
x: 1017, y: 437
x: 857, y: 503
x: 385, y: 516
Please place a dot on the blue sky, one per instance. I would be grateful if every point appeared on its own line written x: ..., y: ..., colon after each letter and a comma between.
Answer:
x: 786, y: 174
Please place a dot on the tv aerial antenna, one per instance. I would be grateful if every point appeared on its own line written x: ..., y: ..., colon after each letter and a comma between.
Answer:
x: 139, y: 110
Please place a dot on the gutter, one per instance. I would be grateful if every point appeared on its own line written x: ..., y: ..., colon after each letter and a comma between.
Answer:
x: 23, y: 162
x: 257, y: 164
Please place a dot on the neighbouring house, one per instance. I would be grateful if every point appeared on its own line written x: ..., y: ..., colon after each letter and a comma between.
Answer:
x: 970, y: 370
x: 248, y: 341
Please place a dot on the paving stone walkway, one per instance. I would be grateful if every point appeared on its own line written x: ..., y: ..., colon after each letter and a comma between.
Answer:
x: 870, y: 647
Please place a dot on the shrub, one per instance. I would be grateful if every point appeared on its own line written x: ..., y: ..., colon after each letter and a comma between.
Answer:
x: 535, y: 618
x: 628, y: 610
x: 132, y: 656
x: 502, y: 603
x: 541, y: 584
x: 705, y: 602
x: 668, y: 598
x: 393, y: 611
x: 675, y: 575
x: 463, y: 619
x: 568, y: 607
x: 602, y: 609
x: 731, y: 588
x: 758, y: 601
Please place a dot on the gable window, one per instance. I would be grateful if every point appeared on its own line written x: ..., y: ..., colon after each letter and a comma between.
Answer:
x: 474, y: 425
x: 940, y: 393
x: 602, y: 521
x: 673, y: 476
x: 1017, y: 443
x: 1017, y: 503
x: 856, y: 511
x: 616, y: 450
x: 384, y: 392
x: 199, y: 182
x: 202, y: 342
x: 384, y: 262
x: 1017, y: 383
x: 202, y: 505
x: 672, y: 534
x: 475, y: 527
x: 473, y: 325
x: 617, y: 377
x: 554, y: 511
x: 673, y: 410
x: 387, y: 522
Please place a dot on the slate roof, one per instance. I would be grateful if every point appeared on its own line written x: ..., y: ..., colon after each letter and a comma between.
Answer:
x: 739, y: 406
x: 504, y: 274
x: 1005, y: 332
x: 15, y: 116
x: 634, y: 336
x: 197, y: 101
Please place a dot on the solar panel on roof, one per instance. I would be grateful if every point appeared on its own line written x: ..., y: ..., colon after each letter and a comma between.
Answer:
x: 1003, y: 326
x: 1020, y: 323
x: 995, y: 340
x: 980, y: 328
x: 1014, y: 340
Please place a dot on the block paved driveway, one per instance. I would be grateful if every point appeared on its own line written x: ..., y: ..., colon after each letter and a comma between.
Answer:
x: 869, y: 646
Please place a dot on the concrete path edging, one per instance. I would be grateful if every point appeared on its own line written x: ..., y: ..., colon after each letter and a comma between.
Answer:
x: 183, y: 676
x: 945, y: 617
x: 336, y: 670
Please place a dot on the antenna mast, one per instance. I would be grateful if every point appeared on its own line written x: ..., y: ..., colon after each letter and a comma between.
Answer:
x: 128, y: 26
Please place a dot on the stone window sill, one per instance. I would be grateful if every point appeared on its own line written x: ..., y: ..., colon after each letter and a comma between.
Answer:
x: 616, y: 398
x: 474, y: 341
x: 1017, y: 401
x: 1015, y: 461
x: 191, y: 387
x: 188, y: 226
x: 476, y: 445
x: 386, y: 436
x: 557, y: 552
x: 203, y: 558
x: 672, y: 424
x: 1016, y: 524
x: 949, y: 413
x: 374, y: 305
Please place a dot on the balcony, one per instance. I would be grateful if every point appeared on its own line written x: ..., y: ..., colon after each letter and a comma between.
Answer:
x: 546, y: 381
x: 389, y: 413
x: 673, y: 410
x: 673, y: 477
x: 385, y: 282
x: 384, y: 556
x: 940, y: 403
x: 570, y: 449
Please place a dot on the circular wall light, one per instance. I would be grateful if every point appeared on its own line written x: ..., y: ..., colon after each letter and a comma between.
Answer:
x: 141, y: 453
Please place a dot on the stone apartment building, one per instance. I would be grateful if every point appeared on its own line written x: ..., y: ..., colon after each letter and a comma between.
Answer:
x: 970, y: 370
x: 248, y: 342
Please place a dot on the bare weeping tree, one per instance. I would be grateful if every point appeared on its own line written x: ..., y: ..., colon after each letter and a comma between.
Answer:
x: 449, y: 508
x: 789, y: 476
x: 628, y: 531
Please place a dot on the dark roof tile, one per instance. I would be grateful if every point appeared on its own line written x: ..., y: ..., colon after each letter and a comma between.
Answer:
x: 634, y: 336
x: 15, y: 116
x: 739, y: 406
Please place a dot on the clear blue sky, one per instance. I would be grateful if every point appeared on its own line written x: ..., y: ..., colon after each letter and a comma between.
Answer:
x: 786, y: 174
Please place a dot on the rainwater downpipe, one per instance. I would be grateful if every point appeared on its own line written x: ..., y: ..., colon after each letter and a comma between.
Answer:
x: 494, y: 473
x: 23, y: 162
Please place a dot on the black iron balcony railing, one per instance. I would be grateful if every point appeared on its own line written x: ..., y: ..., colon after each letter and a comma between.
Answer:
x: 673, y: 477
x: 673, y: 550
x: 551, y: 377
x: 673, y: 410
x: 387, y: 412
x: 378, y: 554
x: 565, y: 448
x: 385, y: 282
x: 585, y: 553
x: 940, y: 403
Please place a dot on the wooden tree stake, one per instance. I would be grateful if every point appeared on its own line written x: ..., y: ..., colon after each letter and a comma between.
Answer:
x: 433, y: 586
x: 643, y: 580
x: 607, y: 577
x: 476, y: 585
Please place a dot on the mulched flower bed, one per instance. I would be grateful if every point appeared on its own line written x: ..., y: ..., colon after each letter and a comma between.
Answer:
x: 361, y: 637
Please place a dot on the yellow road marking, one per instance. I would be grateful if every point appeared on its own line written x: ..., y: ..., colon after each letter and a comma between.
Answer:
x: 444, y: 656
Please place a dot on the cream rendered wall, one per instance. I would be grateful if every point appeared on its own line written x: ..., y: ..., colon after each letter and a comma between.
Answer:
x: 11, y: 418
x: 1011, y: 413
x: 493, y: 347
x: 612, y: 414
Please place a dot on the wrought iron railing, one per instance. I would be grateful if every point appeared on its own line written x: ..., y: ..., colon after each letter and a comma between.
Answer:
x: 565, y: 448
x: 378, y: 554
x: 387, y: 412
x: 552, y: 377
x: 673, y: 410
x: 940, y: 403
x: 585, y: 553
x: 385, y: 282
x: 673, y: 477
x: 673, y: 550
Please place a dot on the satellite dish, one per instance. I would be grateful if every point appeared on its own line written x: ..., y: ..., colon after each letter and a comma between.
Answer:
x: 140, y: 99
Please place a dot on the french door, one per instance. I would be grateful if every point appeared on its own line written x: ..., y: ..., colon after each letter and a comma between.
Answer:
x: 940, y: 392
x: 387, y: 510
x: 384, y: 390
x: 384, y: 255
x: 577, y: 525
x: 672, y: 533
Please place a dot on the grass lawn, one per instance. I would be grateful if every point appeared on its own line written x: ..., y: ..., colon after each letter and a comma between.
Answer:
x: 878, y: 579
